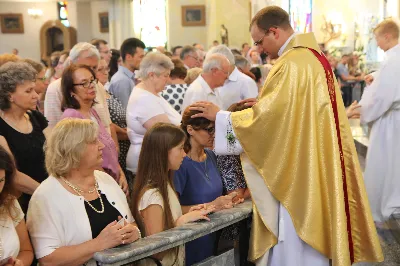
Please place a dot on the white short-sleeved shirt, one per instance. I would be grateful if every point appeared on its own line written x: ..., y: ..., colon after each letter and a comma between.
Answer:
x: 199, y: 90
x: 153, y: 197
x: 57, y: 218
x: 143, y: 106
x: 236, y: 88
x: 9, y: 240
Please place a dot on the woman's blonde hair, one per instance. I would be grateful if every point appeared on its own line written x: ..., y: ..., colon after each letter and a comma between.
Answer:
x: 192, y: 74
x: 66, y: 144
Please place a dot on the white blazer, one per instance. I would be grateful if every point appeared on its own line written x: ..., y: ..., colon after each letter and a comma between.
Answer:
x: 57, y: 218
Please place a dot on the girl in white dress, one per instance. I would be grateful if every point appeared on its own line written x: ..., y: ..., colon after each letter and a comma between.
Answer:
x: 15, y: 246
x: 155, y: 205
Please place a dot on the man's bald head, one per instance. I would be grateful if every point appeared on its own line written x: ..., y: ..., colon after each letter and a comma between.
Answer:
x: 216, y: 70
x: 212, y: 61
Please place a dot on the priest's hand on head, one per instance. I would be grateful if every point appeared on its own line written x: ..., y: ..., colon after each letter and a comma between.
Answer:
x: 208, y: 110
x: 249, y: 102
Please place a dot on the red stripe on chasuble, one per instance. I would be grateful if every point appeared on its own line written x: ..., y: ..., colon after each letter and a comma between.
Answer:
x: 332, y: 94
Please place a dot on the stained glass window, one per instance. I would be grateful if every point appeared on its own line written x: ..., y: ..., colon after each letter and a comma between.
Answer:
x: 300, y: 12
x: 63, y: 13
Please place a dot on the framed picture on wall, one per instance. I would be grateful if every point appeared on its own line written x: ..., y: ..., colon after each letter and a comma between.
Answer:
x: 193, y: 15
x: 11, y: 23
x: 103, y: 22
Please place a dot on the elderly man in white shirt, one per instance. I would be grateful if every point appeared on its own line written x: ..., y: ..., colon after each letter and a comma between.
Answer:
x: 204, y: 88
x: 238, y: 86
x: 86, y: 54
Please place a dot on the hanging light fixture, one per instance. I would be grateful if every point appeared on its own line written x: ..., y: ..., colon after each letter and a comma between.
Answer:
x: 35, y: 12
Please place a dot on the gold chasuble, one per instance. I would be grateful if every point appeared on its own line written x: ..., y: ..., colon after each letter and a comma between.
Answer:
x: 298, y: 139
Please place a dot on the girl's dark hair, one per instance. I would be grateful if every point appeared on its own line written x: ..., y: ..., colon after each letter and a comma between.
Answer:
x: 257, y: 73
x: 179, y: 70
x: 113, y: 65
x: 153, y: 171
x: 236, y: 107
x: 197, y: 123
x: 7, y: 195
x: 67, y: 86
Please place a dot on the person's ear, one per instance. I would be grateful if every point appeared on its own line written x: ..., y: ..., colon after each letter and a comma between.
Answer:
x: 190, y: 130
x: 128, y: 57
x: 275, y: 32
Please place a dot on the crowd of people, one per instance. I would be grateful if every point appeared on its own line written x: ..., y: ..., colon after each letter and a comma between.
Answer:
x: 105, y: 146
x: 101, y: 145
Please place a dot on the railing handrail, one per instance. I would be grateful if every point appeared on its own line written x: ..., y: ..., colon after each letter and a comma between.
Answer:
x: 174, y: 237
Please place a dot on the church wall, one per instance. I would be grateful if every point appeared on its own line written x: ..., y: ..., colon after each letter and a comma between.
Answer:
x: 346, y: 13
x: 84, y: 21
x: 96, y: 8
x: 235, y: 15
x: 179, y: 35
x: 27, y: 43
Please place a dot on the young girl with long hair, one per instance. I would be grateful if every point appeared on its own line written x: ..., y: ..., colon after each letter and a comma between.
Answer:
x: 155, y: 205
x: 15, y: 246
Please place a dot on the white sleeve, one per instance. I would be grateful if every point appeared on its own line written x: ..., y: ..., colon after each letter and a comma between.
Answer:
x: 52, y: 103
x: 42, y: 223
x: 380, y: 96
x: 223, y: 127
x: 101, y: 107
x: 150, y: 197
x: 187, y: 99
x: 250, y: 90
x: 16, y: 213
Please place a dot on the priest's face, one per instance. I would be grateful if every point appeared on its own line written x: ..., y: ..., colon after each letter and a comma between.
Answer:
x: 266, y: 41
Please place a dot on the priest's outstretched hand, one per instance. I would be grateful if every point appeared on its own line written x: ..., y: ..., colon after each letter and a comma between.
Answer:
x: 208, y: 110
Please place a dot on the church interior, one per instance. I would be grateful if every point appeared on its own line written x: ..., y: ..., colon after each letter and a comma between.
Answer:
x: 99, y: 97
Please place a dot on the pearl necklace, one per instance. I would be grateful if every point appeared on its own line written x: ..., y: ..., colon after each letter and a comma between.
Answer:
x: 76, y: 188
x: 79, y: 191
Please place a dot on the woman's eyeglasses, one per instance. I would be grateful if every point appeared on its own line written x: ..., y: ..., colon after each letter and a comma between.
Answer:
x: 87, y: 83
x: 103, y: 70
x: 210, y: 130
x: 42, y: 79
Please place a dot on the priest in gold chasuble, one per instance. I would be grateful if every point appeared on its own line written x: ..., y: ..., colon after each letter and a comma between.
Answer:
x: 298, y: 155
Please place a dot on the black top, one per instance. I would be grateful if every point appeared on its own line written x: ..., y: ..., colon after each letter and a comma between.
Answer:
x: 28, y: 150
x: 98, y: 221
